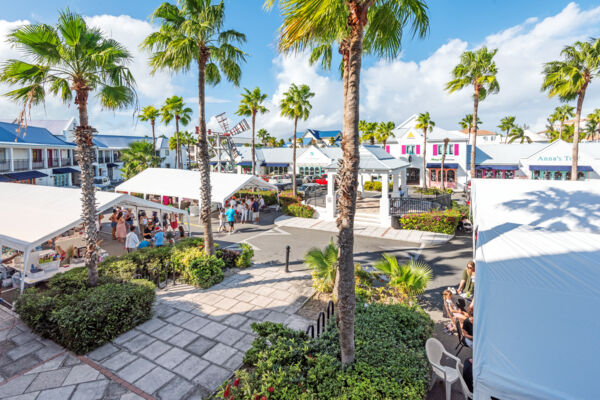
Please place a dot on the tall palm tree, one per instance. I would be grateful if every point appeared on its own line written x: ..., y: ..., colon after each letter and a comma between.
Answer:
x: 424, y: 122
x: 324, y: 265
x: 252, y: 104
x: 193, y: 33
x: 518, y: 133
x: 72, y: 61
x: 476, y: 69
x: 294, y: 105
x: 355, y: 27
x: 446, y: 141
x: 385, y: 130
x: 467, y: 123
x: 562, y: 114
x: 175, y: 109
x: 506, y: 124
x: 569, y: 79
x: 263, y: 136
x: 150, y: 113
x: 187, y: 140
x: 594, y: 124
x: 137, y: 157
x: 368, y: 131
x: 411, y: 278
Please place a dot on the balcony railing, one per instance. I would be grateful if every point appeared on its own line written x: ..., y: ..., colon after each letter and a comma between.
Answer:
x: 4, y: 165
x: 104, y: 159
x: 52, y: 162
x: 21, y: 164
x: 36, y: 165
x: 65, y: 162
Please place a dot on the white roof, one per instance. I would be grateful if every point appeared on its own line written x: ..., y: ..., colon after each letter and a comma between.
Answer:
x: 186, y: 184
x: 375, y: 159
x: 537, y: 297
x: 33, y: 214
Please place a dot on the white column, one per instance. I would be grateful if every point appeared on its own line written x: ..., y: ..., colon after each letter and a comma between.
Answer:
x: 330, y: 200
x: 11, y: 159
x: 45, y: 157
x: 30, y: 158
x: 395, y: 192
x: 60, y: 157
x: 384, y: 203
x: 361, y: 182
x: 404, y: 182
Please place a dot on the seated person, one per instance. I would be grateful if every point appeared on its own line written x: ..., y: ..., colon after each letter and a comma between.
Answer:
x: 467, y: 283
x: 467, y: 330
x: 143, y: 244
x: 147, y: 234
x: 454, y: 311
x: 468, y: 373
x: 159, y: 237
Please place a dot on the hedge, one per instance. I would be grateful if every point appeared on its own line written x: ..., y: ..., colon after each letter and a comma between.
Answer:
x: 433, y: 221
x: 299, y: 210
x: 390, y: 360
x: 81, y: 318
x: 432, y: 190
x: 375, y: 186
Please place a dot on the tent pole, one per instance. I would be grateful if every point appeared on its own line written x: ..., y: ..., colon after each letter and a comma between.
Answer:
x: 26, y: 256
x: 187, y: 217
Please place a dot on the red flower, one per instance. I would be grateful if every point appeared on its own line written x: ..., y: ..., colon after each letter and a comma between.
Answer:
x: 271, y: 389
x: 263, y: 398
x: 236, y: 383
x: 226, y: 392
x: 256, y: 397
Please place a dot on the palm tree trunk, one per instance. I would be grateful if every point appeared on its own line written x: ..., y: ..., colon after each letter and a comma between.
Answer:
x: 85, y: 153
x: 203, y: 164
x: 152, y: 122
x: 507, y: 132
x: 575, y: 154
x: 294, y: 189
x: 372, y: 139
x: 253, y: 151
x: 474, y: 129
x: 425, y: 158
x: 177, y: 154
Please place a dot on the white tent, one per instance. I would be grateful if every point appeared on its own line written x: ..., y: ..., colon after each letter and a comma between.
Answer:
x: 537, y: 300
x: 185, y: 184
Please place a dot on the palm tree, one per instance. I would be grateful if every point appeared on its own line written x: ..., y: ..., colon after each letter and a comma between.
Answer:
x: 424, y: 122
x: 562, y: 114
x: 263, y: 136
x: 477, y: 69
x: 324, y: 265
x: 332, y: 141
x: 192, y: 33
x: 137, y: 157
x: 411, y: 278
x: 518, y: 133
x: 569, y: 79
x: 356, y: 27
x: 368, y: 131
x: 446, y: 141
x: 252, y: 104
x: 506, y: 124
x: 295, y: 105
x: 150, y: 113
x: 72, y: 60
x: 467, y: 123
x: 385, y: 130
x: 187, y: 140
x: 175, y: 109
x: 594, y: 124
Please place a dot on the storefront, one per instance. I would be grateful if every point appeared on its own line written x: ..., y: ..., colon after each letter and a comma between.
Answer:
x: 434, y: 175
x: 558, y: 172
x: 276, y: 168
x: 311, y: 170
x: 496, y: 171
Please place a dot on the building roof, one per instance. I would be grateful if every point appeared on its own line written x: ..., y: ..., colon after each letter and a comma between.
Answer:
x: 504, y: 154
x: 480, y: 132
x: 375, y: 159
x: 55, y: 126
x: 117, y: 141
x: 31, y: 135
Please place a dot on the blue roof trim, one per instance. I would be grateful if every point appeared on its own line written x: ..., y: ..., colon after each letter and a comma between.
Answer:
x: 567, y: 168
x: 500, y: 167
x: 4, y: 178
x: 277, y: 164
x: 439, y: 165
x: 65, y: 170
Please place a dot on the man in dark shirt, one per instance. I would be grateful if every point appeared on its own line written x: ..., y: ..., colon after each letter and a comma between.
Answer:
x: 467, y: 329
x: 148, y: 231
x: 468, y: 373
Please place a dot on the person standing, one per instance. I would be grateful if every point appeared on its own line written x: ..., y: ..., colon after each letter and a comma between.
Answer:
x: 159, y: 237
x: 113, y: 223
x: 261, y: 202
x: 239, y: 212
x: 121, y: 228
x: 143, y: 221
x: 249, y: 207
x: 255, y: 211
x: 131, y: 240
x: 222, y: 219
x: 230, y: 214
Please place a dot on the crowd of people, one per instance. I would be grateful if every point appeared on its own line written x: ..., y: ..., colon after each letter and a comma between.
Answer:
x: 240, y: 210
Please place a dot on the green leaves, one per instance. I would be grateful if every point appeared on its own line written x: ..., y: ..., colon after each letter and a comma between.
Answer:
x: 295, y: 103
x: 137, y: 157
x: 412, y: 277
x: 252, y: 103
x: 174, y: 108
x: 324, y: 265
x: 425, y: 122
x: 477, y: 69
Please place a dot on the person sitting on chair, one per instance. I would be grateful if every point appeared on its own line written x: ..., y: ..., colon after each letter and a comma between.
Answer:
x: 467, y: 330
x: 453, y: 310
x: 468, y: 373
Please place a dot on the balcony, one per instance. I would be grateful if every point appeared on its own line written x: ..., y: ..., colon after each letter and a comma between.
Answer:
x: 52, y: 162
x: 4, y: 165
x: 35, y: 164
x: 103, y: 160
x: 66, y: 162
x: 21, y: 164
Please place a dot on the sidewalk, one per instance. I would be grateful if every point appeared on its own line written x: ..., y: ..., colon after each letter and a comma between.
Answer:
x: 419, y: 237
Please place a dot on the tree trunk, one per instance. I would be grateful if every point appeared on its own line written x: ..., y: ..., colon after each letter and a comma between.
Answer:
x: 294, y: 189
x: 85, y: 158
x: 425, y: 158
x: 372, y: 139
x: 253, y: 151
x: 507, y: 131
x: 575, y: 154
x: 204, y: 158
x: 177, y: 156
x: 442, y: 166
x: 474, y: 129
x: 152, y: 122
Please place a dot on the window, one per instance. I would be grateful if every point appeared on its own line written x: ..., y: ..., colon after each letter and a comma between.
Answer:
x: 558, y: 176
x: 581, y: 175
x: 537, y: 175
x: 37, y: 154
x: 281, y: 170
x: 166, y: 152
x: 410, y: 149
x: 509, y: 174
x: 2, y: 154
x: 449, y: 149
x: 548, y: 175
x: 433, y: 175
x: 450, y: 175
x: 479, y: 173
x: 489, y: 174
x: 498, y: 174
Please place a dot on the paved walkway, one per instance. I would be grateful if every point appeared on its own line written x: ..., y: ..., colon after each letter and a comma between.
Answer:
x: 420, y: 237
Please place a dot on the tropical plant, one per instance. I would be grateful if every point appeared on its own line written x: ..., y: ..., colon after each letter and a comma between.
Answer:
x: 518, y: 133
x: 385, y: 130
x: 561, y: 114
x: 72, y: 60
x: 411, y: 278
x: 467, y: 123
x: 593, y: 125
x: 424, y: 122
x: 331, y: 141
x: 137, y: 157
x: 263, y: 136
x: 569, y: 79
x: 175, y: 109
x: 150, y: 113
x: 368, y: 131
x: 506, y: 124
x: 446, y: 141
x: 252, y: 104
x: 356, y: 27
x: 324, y: 265
x: 187, y: 139
x: 294, y: 105
x: 476, y: 69
x: 193, y: 33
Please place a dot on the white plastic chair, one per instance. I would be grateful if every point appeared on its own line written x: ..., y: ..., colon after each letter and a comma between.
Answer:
x: 465, y: 389
x: 435, y: 350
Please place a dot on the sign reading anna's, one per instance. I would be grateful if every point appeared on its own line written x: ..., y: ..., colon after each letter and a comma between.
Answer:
x: 555, y: 158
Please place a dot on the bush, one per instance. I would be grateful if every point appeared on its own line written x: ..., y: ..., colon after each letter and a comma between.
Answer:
x: 82, y: 318
x: 229, y: 257
x: 463, y: 209
x: 375, y: 186
x: 299, y: 210
x: 286, y: 198
x: 432, y: 190
x: 245, y: 259
x: 390, y: 359
x: 205, y: 271
x: 434, y: 221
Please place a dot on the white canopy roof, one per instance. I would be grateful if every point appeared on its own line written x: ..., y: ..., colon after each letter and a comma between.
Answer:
x: 186, y: 184
x: 537, y: 298
x: 33, y: 214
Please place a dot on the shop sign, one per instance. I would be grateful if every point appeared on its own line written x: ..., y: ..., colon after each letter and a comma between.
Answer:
x: 440, y: 159
x: 556, y: 158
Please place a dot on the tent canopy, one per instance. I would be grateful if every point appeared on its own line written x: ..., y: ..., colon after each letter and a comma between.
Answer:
x: 33, y: 214
x: 186, y: 184
x: 538, y: 266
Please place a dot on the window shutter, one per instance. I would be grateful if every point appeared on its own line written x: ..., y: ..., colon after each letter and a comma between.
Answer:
x: 387, y: 149
x: 403, y: 149
x: 456, y: 149
x: 435, y: 149
x: 418, y: 149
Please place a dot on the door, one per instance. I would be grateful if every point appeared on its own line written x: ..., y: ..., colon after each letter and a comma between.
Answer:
x: 413, y: 176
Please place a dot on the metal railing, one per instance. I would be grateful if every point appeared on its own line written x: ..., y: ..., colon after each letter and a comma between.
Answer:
x: 322, y: 321
x: 159, y: 275
x: 65, y: 161
x: 52, y: 162
x: 4, y: 165
x: 419, y: 204
x: 20, y: 164
x: 317, y: 199
x: 37, y: 164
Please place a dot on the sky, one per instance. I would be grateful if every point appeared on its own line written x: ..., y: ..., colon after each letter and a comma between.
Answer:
x: 526, y: 34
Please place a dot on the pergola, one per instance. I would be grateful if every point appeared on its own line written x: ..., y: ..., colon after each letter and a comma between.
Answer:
x: 373, y: 160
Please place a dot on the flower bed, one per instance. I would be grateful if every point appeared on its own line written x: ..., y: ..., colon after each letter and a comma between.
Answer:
x: 390, y: 360
x: 299, y: 210
x: 434, y: 221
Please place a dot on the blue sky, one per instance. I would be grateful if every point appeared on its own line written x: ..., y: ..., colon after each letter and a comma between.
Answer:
x: 455, y: 26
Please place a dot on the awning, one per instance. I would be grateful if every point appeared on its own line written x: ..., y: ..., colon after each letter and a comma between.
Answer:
x: 566, y: 168
x: 4, y: 178
x: 63, y: 170
x: 247, y: 163
x: 277, y: 164
x: 216, y: 162
x: 446, y: 165
x: 500, y: 167
x: 19, y: 176
x: 111, y: 165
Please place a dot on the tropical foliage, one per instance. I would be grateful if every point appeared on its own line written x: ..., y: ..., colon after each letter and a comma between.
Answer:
x: 251, y: 105
x: 137, y: 157
x: 175, y: 109
x: 425, y: 123
x: 385, y: 130
x: 517, y: 133
x: 593, y: 125
x: 150, y: 113
x: 434, y: 221
x: 367, y: 130
x: 324, y: 266
x: 411, y: 278
x: 506, y: 124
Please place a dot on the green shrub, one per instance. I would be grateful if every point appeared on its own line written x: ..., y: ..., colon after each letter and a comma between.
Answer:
x: 390, y: 359
x: 229, y: 257
x: 190, y: 242
x: 299, y: 210
x: 181, y: 258
x: 245, y: 258
x: 290, y: 194
x: 205, y: 271
x: 375, y: 186
x: 120, y: 268
x: 434, y: 221
x: 432, y: 190
x: 463, y: 209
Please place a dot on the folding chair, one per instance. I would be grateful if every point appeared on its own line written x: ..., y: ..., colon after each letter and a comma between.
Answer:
x: 461, y: 339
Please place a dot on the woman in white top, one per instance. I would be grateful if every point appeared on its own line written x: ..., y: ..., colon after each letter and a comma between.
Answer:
x: 222, y: 220
x: 240, y: 212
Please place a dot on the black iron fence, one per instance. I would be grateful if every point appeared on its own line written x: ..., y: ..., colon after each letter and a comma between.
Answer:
x: 420, y: 204
x: 322, y: 321
x: 316, y: 198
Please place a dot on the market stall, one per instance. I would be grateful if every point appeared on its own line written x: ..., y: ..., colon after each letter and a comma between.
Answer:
x: 40, y: 228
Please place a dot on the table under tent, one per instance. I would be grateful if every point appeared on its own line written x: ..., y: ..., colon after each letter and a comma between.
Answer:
x: 36, y: 222
x: 176, y: 186
x: 537, y: 297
